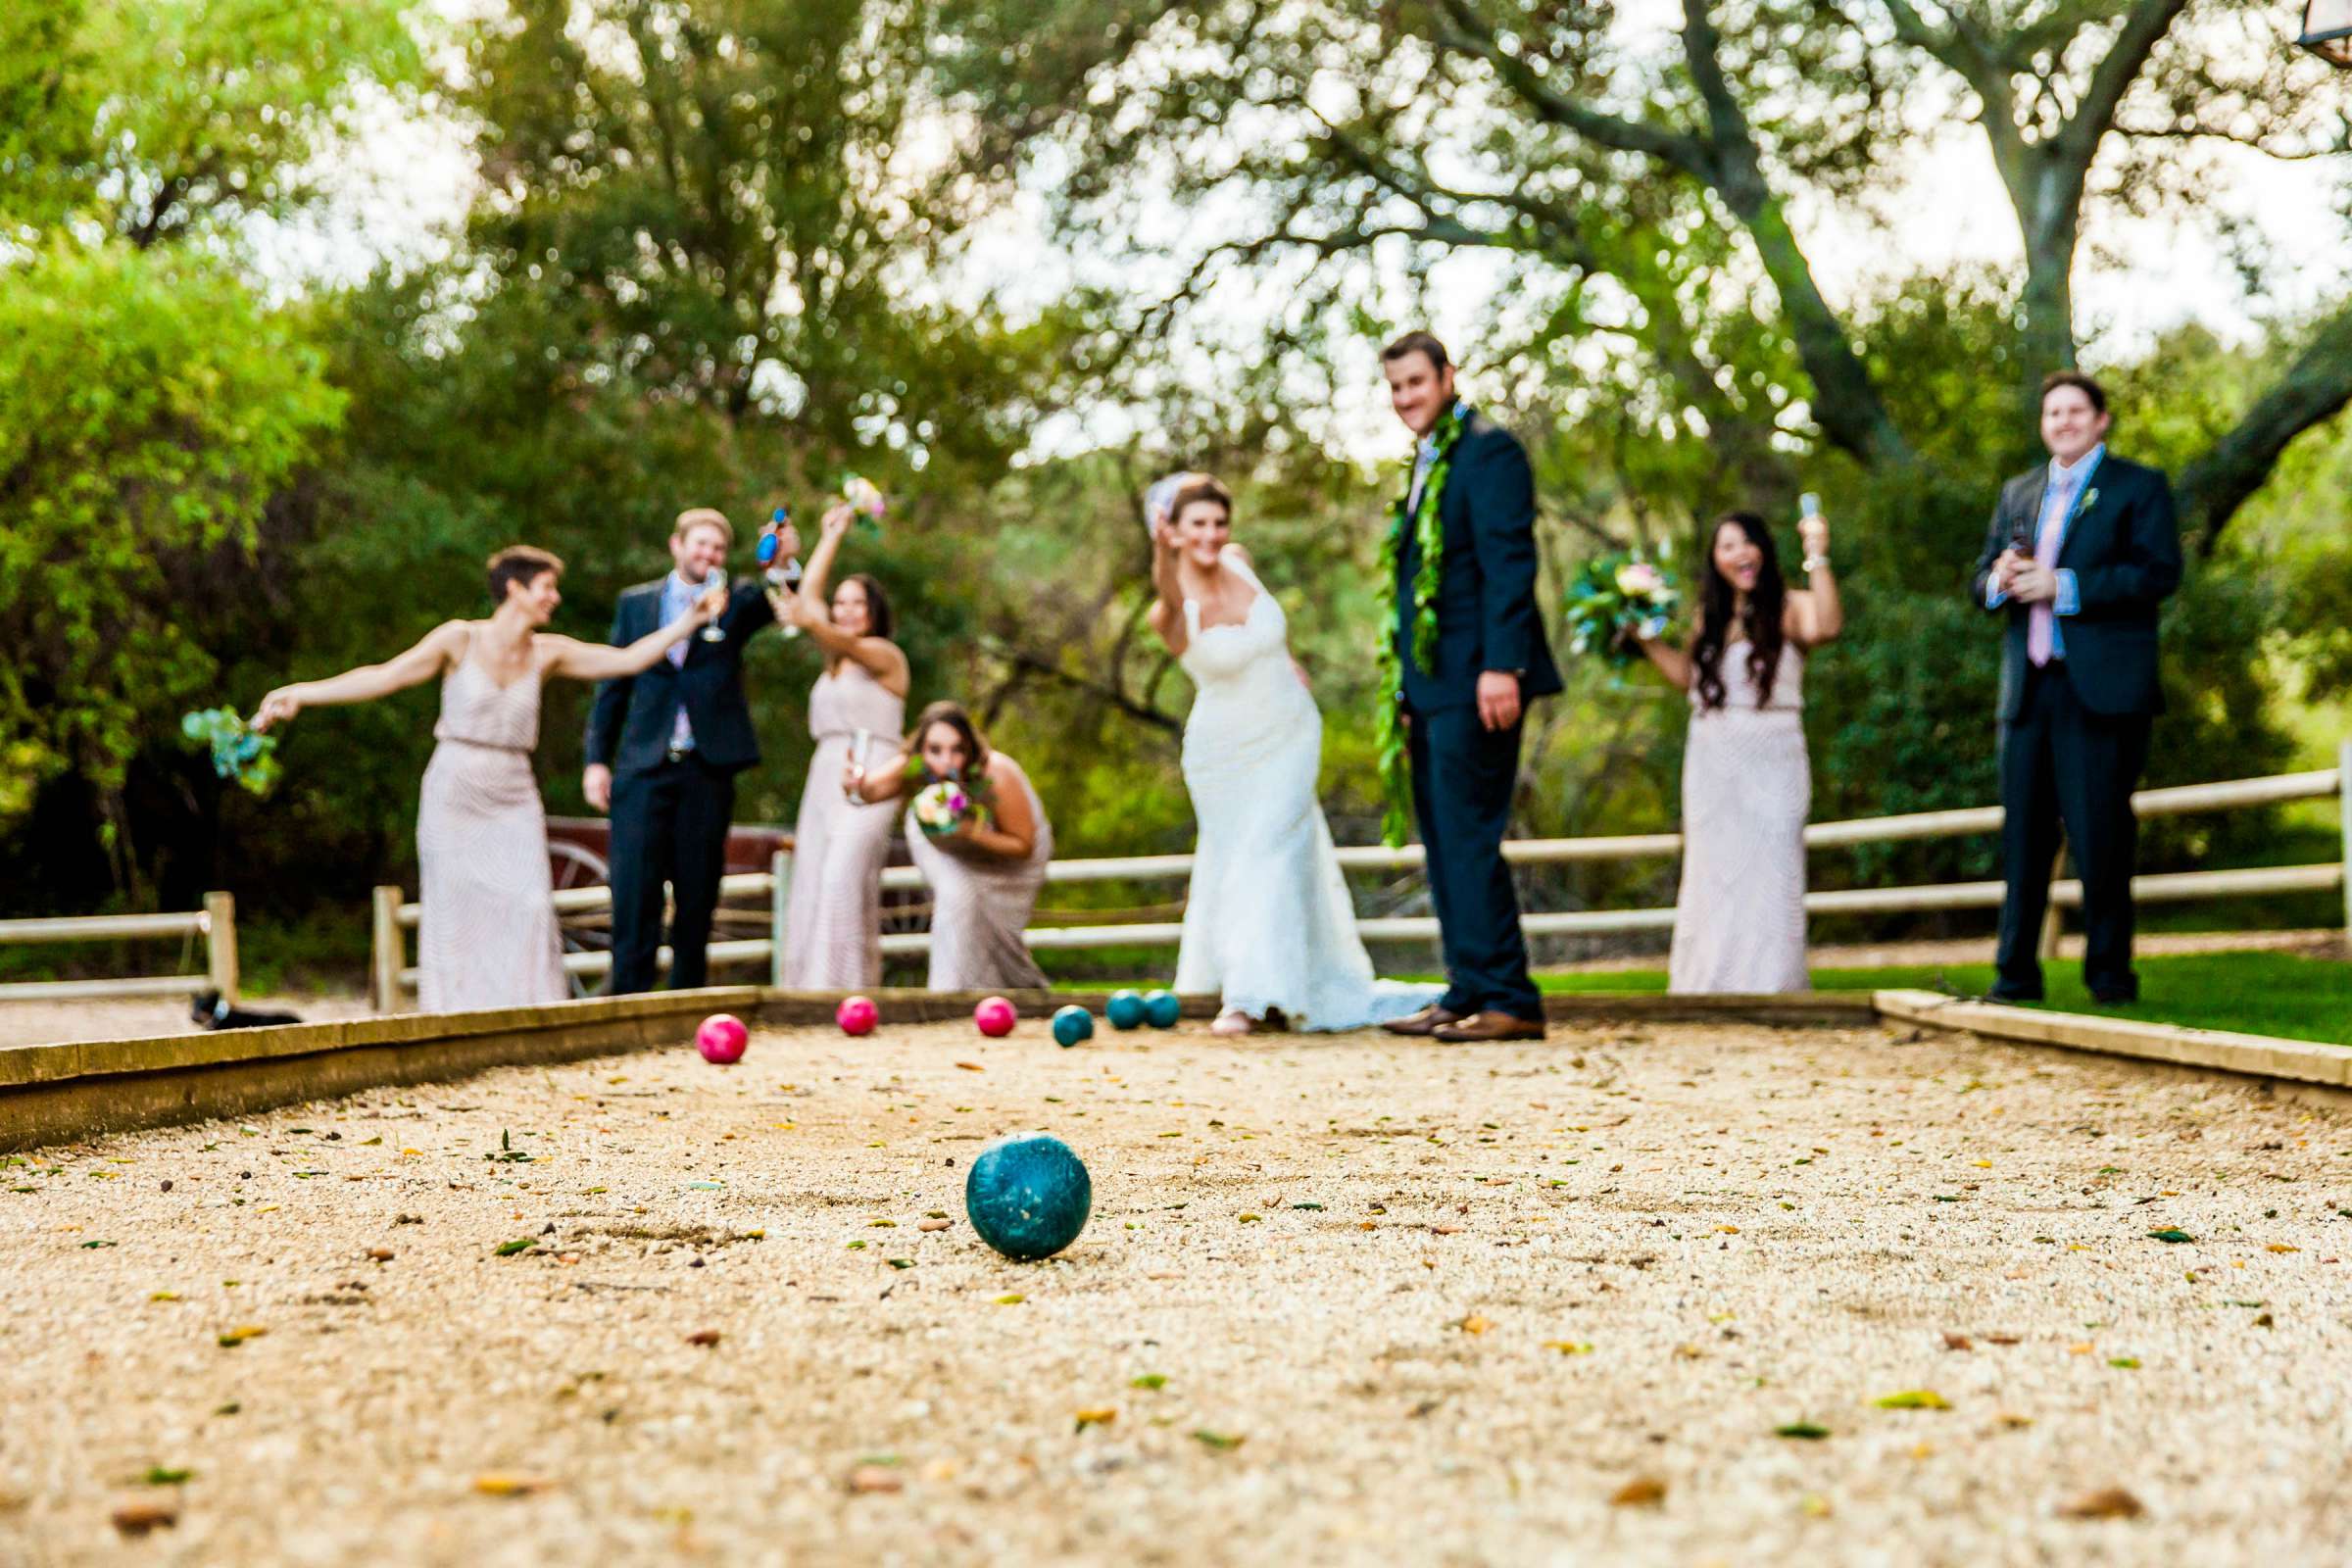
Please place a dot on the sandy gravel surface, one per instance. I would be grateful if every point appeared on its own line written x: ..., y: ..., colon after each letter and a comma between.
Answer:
x: 1410, y: 1305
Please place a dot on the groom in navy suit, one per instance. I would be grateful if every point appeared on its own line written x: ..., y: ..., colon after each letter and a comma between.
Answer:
x: 663, y: 749
x: 1463, y: 713
x: 2080, y: 554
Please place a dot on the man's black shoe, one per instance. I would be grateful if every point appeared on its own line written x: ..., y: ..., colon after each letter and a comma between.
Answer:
x: 2011, y: 995
x: 2115, y: 998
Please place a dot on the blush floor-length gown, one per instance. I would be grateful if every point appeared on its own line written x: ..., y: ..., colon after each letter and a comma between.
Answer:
x: 980, y: 903
x: 486, y: 933
x: 1268, y: 923
x: 833, y: 923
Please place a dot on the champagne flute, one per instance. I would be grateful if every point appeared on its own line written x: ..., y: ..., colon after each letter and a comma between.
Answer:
x: 783, y: 575
x: 854, y: 793
x: 715, y: 632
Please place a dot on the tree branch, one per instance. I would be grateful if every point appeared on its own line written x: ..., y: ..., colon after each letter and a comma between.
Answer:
x: 1473, y: 36
x: 2315, y: 388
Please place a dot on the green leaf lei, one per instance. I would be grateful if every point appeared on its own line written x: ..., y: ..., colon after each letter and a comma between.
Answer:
x: 1429, y: 539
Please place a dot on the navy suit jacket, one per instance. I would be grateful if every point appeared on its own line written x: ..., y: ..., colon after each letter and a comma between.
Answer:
x: 1487, y: 616
x: 2124, y: 549
x: 630, y: 723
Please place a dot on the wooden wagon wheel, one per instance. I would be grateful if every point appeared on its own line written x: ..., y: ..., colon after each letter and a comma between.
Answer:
x: 585, y: 930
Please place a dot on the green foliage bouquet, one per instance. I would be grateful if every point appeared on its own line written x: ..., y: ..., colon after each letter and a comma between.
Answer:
x: 1614, y: 597
x: 237, y: 751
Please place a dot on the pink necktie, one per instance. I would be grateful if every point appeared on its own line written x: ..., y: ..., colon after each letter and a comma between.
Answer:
x: 2041, y: 622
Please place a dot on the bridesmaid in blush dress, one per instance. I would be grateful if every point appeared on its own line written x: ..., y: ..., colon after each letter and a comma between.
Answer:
x: 833, y: 923
x: 1747, y: 785
x: 487, y: 935
x: 984, y: 876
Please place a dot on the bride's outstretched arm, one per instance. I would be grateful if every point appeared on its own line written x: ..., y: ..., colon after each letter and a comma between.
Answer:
x: 1167, y: 609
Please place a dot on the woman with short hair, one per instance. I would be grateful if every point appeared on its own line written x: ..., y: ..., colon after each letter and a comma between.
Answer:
x: 487, y: 934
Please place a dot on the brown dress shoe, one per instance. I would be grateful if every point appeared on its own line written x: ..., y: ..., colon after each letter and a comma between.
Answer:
x: 1429, y: 1020
x: 1489, y: 1025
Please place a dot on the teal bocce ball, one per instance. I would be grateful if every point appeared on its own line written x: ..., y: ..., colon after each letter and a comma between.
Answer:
x: 1028, y: 1195
x: 1072, y: 1024
x: 1125, y: 1009
x: 1162, y: 1009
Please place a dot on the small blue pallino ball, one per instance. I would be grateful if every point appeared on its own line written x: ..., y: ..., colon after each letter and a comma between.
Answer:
x: 1125, y: 1009
x: 1028, y: 1195
x: 1163, y: 1008
x: 1072, y: 1024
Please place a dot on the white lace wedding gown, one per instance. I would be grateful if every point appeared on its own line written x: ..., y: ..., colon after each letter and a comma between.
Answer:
x: 1268, y: 923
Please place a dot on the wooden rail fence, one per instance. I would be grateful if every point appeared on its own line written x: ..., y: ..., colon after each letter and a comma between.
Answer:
x: 393, y: 978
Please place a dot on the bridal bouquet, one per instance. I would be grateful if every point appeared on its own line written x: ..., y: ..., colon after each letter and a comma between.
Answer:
x: 864, y: 498
x: 237, y: 751
x: 1614, y: 597
x: 943, y: 808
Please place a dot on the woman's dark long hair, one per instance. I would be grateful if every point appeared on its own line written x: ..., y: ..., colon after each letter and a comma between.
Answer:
x: 959, y: 719
x: 877, y: 605
x: 1761, y: 624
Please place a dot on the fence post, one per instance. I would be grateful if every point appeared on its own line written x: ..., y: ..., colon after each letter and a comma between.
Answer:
x: 387, y: 951
x: 779, y: 899
x: 2343, y: 802
x: 2045, y: 946
x: 220, y: 944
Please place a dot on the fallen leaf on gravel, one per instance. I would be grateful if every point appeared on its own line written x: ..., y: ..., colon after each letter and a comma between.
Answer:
x: 164, y: 1295
x: 1800, y: 1429
x: 1446, y: 1230
x: 163, y: 1476
x: 1475, y: 1324
x: 379, y: 1255
x: 1958, y: 1342
x: 704, y: 1337
x: 1217, y: 1440
x: 1688, y: 1352
x: 2281, y: 1247
x: 2002, y: 1338
x: 935, y: 1224
x: 2128, y: 1362
x: 869, y: 1478
x: 1814, y: 1506
x: 1569, y: 1347
x: 1012, y: 1299
x: 510, y: 1249
x: 1097, y: 1416
x: 1153, y: 1381
x: 1728, y: 1230
x: 139, y: 1518
x: 2172, y: 1235
x: 2108, y: 1502
x: 2263, y: 1322
x: 1252, y: 1219
x: 971, y: 1066
x: 1643, y: 1491
x: 1913, y: 1400
x: 238, y: 1336
x: 509, y: 1484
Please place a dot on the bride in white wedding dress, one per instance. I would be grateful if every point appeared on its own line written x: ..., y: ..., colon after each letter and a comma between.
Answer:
x: 1268, y: 926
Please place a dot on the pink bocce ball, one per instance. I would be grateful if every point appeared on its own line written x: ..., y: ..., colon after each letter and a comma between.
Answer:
x: 858, y: 1015
x: 995, y: 1017
x: 721, y: 1038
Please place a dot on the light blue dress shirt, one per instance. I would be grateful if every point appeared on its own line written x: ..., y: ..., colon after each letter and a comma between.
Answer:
x: 2067, y: 485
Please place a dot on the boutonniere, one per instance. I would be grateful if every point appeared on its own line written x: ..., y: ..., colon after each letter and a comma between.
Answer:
x: 2090, y: 499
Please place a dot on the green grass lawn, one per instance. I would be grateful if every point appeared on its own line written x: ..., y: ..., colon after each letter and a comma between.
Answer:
x: 2253, y: 993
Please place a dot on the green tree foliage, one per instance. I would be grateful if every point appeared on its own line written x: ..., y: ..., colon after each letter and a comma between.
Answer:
x: 149, y: 407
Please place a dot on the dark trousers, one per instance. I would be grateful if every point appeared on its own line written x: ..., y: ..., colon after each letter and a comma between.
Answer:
x: 670, y: 825
x: 2063, y: 764
x: 1463, y: 775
